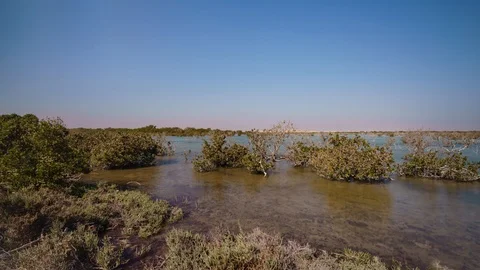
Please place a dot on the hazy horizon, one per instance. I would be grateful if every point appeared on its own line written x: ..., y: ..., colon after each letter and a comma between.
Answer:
x: 323, y: 65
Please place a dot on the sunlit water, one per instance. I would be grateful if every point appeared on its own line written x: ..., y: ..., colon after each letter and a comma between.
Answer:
x: 413, y: 220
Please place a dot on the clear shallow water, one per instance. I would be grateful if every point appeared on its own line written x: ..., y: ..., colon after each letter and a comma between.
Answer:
x: 413, y: 220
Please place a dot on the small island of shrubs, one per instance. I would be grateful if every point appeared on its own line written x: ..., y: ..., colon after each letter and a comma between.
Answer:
x: 343, y: 157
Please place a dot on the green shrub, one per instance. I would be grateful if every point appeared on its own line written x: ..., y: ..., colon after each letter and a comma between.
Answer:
x: 36, y: 152
x: 344, y: 158
x: 125, y: 150
x: 437, y: 157
x: 432, y: 164
x: 300, y: 154
x: 216, y: 154
x: 258, y: 160
x: 201, y: 164
x: 257, y: 164
x: 234, y: 155
x: 263, y: 151
x: 105, y: 149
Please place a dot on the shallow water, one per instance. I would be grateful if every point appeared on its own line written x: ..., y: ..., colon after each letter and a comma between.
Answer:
x: 413, y: 220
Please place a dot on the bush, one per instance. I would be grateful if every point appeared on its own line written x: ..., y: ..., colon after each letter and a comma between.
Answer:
x: 256, y: 250
x: 36, y: 152
x: 57, y: 250
x: 300, y: 154
x: 108, y: 256
x: 437, y: 157
x: 258, y: 160
x: 450, y: 166
x: 234, y: 155
x: 61, y: 249
x: 26, y: 213
x: 216, y: 154
x: 344, y: 158
x: 118, y: 150
x: 64, y: 231
x: 257, y: 164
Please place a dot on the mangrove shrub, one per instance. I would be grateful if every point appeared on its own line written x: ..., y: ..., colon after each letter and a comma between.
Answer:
x: 36, y: 152
x: 344, y: 158
x: 300, y: 153
x: 117, y: 150
x: 258, y: 160
x: 217, y: 154
x: 437, y: 157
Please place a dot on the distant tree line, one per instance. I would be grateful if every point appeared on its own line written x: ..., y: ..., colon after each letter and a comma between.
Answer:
x: 167, y: 131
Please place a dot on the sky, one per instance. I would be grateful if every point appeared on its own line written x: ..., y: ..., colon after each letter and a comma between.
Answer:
x: 324, y: 65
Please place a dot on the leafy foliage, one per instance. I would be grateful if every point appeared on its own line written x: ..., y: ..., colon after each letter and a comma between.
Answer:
x: 258, y: 160
x: 344, y: 158
x: 119, y: 150
x: 36, y: 152
x: 452, y: 166
x: 217, y: 153
x: 301, y: 153
x: 437, y: 157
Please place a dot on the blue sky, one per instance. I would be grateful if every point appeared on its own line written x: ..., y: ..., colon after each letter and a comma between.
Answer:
x: 324, y: 65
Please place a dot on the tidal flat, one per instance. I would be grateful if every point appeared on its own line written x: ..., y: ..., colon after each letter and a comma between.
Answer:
x: 413, y: 220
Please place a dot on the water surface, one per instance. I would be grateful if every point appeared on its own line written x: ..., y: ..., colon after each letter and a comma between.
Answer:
x: 413, y: 220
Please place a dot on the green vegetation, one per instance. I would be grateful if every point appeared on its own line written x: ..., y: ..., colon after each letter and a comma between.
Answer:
x: 344, y: 158
x: 301, y: 153
x: 36, y: 152
x: 64, y: 231
x: 437, y: 157
x: 258, y: 250
x: 258, y: 158
x: 48, y: 221
x: 217, y: 154
x: 339, y: 157
x: 167, y: 131
x: 43, y: 153
x: 119, y: 150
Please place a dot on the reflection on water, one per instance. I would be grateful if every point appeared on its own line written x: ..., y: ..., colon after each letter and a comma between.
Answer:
x: 414, y: 220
